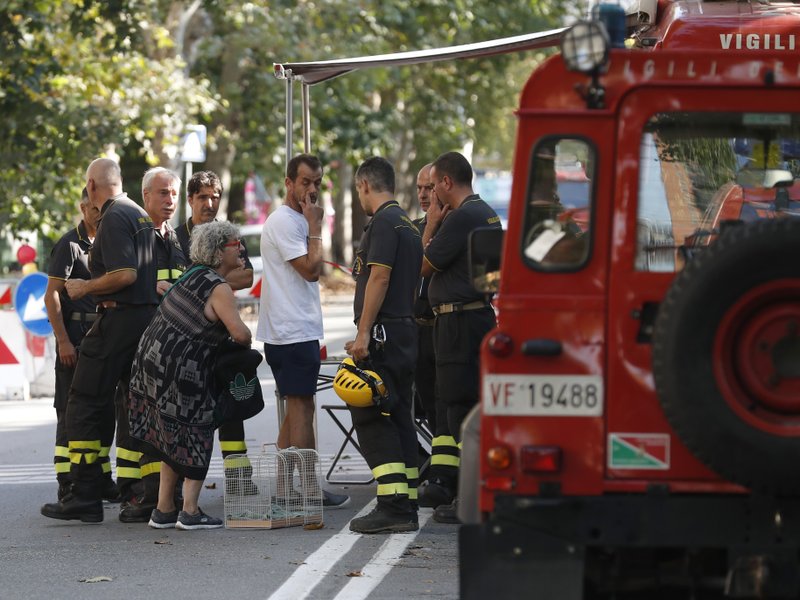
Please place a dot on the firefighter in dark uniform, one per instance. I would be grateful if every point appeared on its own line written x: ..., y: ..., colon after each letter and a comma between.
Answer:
x: 425, y: 375
x: 124, y: 284
x: 138, y: 474
x: 204, y: 191
x: 463, y: 315
x: 71, y: 319
x: 386, y: 271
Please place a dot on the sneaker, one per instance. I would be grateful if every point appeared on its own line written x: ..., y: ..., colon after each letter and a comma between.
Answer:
x: 240, y: 487
x: 201, y: 520
x: 72, y: 508
x: 331, y: 500
x: 136, y: 510
x: 160, y: 520
x: 434, y: 493
x: 447, y: 513
x: 381, y: 521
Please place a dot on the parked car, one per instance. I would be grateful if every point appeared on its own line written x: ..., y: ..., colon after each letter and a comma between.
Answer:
x: 251, y: 238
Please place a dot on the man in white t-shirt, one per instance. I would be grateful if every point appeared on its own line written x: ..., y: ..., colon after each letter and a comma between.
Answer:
x: 290, y: 315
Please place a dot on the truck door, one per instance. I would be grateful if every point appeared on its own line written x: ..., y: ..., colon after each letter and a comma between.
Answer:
x: 681, y: 164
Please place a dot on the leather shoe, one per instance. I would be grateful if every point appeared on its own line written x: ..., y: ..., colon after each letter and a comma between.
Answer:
x: 72, y: 508
x: 136, y: 510
x: 447, y: 513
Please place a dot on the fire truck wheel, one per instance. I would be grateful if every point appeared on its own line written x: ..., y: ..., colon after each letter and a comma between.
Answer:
x: 726, y: 355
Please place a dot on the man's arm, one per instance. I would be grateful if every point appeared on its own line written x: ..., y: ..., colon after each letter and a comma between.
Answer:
x: 309, y: 266
x: 105, y: 284
x: 52, y: 301
x: 375, y: 292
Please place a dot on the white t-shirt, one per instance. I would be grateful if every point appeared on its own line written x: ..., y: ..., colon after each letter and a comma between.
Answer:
x: 290, y: 310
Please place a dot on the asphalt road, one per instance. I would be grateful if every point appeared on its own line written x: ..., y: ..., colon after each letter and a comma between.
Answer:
x: 44, y: 558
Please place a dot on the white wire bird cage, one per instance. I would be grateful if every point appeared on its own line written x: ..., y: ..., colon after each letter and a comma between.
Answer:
x: 274, y: 489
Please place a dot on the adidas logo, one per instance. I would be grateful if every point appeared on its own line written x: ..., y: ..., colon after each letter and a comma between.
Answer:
x: 241, y: 389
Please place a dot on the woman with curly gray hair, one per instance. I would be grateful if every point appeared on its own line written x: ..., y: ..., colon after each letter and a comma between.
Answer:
x: 172, y: 399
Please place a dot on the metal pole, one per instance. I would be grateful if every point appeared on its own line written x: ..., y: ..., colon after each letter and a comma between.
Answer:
x: 183, y: 213
x: 306, y: 120
x: 289, y: 115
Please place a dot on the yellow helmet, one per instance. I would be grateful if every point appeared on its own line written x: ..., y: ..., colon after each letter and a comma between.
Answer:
x: 358, y: 387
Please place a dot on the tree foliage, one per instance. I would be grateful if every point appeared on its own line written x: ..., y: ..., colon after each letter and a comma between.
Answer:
x: 79, y: 78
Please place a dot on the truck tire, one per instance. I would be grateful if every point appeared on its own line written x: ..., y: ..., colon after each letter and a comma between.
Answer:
x: 726, y: 355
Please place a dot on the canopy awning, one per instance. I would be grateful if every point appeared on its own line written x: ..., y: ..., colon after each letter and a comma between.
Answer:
x: 314, y: 72
x: 310, y: 73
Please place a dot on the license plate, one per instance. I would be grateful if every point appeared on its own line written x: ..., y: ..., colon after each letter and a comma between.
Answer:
x: 545, y: 395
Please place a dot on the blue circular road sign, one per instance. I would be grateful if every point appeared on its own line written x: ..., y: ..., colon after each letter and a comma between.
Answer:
x: 29, y: 304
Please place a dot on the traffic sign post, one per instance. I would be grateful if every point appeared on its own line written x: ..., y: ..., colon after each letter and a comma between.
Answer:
x: 193, y: 150
x: 29, y: 304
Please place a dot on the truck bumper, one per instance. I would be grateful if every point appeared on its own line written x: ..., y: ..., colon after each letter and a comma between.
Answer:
x: 548, y: 544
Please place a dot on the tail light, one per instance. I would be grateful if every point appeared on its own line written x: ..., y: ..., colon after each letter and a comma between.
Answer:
x: 500, y: 344
x: 498, y: 458
x: 540, y: 459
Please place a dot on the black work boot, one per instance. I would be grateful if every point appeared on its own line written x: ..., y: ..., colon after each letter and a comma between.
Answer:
x: 111, y: 491
x: 136, y: 510
x: 381, y: 520
x: 447, y: 513
x: 435, y: 493
x: 72, y: 508
x: 238, y: 481
x: 64, y: 488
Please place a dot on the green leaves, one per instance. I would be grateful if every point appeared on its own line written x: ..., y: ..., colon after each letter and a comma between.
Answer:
x: 79, y: 78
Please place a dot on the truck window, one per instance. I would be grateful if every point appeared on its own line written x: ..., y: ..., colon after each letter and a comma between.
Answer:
x: 700, y: 171
x: 558, y: 211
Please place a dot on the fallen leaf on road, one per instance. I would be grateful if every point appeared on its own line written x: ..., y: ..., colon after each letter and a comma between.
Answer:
x: 211, y: 486
x: 355, y: 574
x: 163, y: 542
x: 97, y: 579
x: 312, y: 526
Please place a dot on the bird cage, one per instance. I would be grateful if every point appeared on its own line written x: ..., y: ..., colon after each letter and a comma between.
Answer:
x: 274, y: 489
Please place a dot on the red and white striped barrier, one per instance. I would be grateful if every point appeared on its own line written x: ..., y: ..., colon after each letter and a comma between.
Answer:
x: 14, y: 383
x: 5, y: 293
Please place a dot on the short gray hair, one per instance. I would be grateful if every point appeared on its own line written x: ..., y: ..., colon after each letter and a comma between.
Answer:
x: 209, y: 239
x: 150, y: 174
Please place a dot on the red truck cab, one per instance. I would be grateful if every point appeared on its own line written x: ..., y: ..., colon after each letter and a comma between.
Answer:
x: 639, y: 422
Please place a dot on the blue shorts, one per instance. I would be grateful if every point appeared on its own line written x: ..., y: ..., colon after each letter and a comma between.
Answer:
x: 295, y: 367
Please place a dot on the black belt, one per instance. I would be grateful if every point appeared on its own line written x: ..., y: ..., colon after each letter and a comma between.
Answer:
x: 384, y: 319
x: 113, y: 305
x: 83, y: 317
x: 454, y: 307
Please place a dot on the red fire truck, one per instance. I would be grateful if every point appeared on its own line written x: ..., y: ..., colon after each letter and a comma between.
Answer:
x: 638, y: 433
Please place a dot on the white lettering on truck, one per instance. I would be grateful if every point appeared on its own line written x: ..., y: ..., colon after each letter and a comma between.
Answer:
x: 755, y: 41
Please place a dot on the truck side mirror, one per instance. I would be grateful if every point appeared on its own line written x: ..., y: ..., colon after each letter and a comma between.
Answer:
x: 485, y: 249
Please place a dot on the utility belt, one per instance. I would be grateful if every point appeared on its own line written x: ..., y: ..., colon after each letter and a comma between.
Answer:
x: 455, y: 307
x: 83, y: 317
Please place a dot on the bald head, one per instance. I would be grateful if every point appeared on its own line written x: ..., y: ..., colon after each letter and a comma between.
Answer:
x: 103, y: 181
x: 424, y: 187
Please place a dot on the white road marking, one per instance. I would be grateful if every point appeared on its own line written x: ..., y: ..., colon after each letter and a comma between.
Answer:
x: 353, y: 466
x: 311, y: 573
x: 381, y: 564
